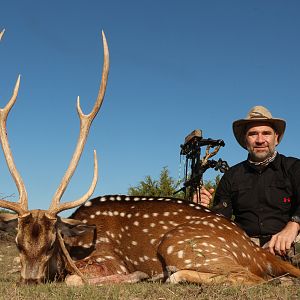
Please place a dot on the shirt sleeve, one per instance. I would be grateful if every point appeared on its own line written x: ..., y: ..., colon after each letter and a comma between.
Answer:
x: 222, y: 200
x: 294, y: 174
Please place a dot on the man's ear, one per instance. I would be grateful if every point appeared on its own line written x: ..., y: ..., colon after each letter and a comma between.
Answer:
x: 277, y: 138
x: 72, y: 227
x: 8, y: 221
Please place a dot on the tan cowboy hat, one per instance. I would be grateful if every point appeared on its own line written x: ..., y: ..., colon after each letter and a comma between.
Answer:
x: 257, y: 114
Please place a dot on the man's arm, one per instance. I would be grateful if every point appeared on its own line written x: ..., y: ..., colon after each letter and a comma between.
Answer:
x: 222, y: 200
x: 282, y: 241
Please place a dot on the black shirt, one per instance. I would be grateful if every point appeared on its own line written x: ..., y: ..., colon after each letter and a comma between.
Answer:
x: 261, y: 199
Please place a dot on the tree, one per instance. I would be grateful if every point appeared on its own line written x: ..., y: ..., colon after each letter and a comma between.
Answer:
x: 165, y: 186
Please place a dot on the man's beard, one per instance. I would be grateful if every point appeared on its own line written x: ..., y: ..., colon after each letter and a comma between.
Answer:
x: 260, y: 156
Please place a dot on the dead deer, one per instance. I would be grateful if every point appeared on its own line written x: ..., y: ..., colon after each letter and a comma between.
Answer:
x: 169, y: 239
x: 120, y: 238
x: 42, y: 253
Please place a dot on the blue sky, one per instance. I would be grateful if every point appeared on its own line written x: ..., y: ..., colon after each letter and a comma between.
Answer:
x: 175, y: 66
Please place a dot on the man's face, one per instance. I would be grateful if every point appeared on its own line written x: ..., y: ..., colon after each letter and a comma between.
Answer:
x: 261, y: 140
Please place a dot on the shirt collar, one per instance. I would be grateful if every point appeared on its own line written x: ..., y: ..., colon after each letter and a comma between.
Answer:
x: 275, y: 164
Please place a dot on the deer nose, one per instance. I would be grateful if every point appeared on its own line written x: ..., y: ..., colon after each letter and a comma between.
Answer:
x: 31, y: 281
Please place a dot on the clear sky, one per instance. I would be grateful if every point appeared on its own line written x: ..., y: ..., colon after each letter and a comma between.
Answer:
x: 175, y: 66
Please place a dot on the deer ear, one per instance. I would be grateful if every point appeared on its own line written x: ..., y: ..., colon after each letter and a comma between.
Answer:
x: 8, y: 221
x: 72, y: 227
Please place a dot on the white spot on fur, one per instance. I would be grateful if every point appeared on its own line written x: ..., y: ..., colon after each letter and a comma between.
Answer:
x: 88, y: 203
x: 180, y: 254
x: 123, y: 269
x: 103, y: 240
x: 170, y: 249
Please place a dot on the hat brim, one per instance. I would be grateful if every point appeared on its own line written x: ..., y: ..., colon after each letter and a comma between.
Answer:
x: 239, y: 128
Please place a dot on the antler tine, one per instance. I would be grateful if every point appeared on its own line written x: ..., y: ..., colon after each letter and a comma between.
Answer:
x: 1, y: 34
x: 22, y: 206
x: 85, y: 123
x: 87, y: 195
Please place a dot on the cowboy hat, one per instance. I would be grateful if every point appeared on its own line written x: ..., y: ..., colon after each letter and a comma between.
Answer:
x: 257, y: 114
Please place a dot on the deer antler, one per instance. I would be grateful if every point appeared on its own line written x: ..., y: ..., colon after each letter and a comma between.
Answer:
x: 22, y: 205
x: 1, y: 34
x: 85, y: 123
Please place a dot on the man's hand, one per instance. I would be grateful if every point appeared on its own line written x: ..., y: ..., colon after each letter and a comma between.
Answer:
x: 282, y: 241
x: 204, y: 197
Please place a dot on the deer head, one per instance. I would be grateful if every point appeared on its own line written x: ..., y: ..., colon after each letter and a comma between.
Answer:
x: 38, y: 230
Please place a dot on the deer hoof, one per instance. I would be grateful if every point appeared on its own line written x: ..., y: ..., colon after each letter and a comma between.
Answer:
x: 74, y: 280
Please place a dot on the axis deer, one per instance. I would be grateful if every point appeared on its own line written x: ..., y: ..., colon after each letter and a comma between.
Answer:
x: 42, y: 253
x: 169, y: 239
x: 120, y: 238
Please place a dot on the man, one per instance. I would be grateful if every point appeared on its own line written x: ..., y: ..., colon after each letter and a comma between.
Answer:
x: 263, y: 192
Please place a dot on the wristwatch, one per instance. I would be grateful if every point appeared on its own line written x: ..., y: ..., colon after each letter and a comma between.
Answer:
x: 295, y: 219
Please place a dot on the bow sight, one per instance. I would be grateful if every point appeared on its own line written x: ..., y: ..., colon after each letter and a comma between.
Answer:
x: 195, y: 166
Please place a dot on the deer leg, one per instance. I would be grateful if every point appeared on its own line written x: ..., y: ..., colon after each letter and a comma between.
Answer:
x: 134, y: 277
x: 242, y: 277
x: 75, y: 280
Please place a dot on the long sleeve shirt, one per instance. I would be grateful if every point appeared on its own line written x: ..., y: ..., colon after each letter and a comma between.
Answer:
x: 262, y: 200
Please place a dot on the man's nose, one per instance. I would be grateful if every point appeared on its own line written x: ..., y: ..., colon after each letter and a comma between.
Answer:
x: 260, y: 139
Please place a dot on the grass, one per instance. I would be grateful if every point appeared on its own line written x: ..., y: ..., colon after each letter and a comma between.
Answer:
x: 10, y: 289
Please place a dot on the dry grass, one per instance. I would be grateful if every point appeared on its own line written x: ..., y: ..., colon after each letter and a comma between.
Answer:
x: 9, y: 288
